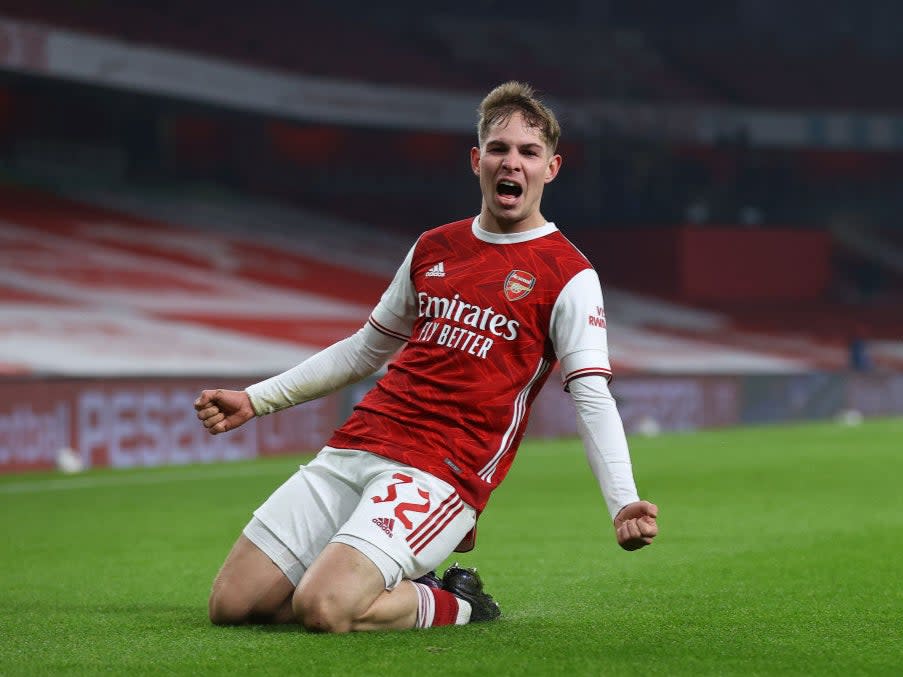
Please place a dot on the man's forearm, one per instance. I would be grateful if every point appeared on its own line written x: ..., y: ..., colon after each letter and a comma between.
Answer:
x: 335, y: 367
x: 600, y: 427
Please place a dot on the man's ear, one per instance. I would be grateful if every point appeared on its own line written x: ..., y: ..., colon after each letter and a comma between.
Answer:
x: 552, y: 168
x: 475, y: 160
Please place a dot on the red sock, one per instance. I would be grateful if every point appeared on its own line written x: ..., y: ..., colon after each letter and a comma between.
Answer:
x: 439, y: 607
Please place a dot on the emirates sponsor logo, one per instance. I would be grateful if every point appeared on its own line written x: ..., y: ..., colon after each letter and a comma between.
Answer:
x: 518, y: 284
x: 460, y: 312
x: 385, y: 523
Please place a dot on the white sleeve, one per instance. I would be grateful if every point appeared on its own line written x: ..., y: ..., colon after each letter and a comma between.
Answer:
x: 604, y: 441
x: 578, y: 328
x: 396, y: 311
x: 335, y: 367
x: 580, y: 339
x: 349, y: 360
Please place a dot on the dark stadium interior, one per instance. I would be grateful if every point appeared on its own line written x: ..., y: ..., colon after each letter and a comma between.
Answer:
x: 806, y: 58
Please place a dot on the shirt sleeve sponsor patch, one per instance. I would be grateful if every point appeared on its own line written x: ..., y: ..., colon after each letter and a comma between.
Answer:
x: 597, y: 319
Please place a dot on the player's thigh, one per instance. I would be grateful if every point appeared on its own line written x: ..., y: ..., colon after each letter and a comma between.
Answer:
x: 303, y: 514
x: 248, y: 584
x: 288, y: 531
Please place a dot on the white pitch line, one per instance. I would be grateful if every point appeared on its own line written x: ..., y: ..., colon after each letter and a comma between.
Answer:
x: 63, y: 484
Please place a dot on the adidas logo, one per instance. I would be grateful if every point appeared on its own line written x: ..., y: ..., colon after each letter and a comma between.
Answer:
x: 384, y: 523
x: 437, y: 271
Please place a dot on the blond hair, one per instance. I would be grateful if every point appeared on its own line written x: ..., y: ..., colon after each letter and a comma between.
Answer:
x: 517, y: 97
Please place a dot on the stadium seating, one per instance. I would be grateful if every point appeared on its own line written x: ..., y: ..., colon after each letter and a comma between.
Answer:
x: 304, y: 38
x: 685, y: 56
x: 138, y: 285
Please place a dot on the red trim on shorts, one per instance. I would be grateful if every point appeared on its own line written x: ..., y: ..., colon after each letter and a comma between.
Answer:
x: 433, y: 525
x: 448, y: 519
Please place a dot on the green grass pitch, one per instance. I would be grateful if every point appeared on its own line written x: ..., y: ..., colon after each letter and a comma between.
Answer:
x: 781, y: 552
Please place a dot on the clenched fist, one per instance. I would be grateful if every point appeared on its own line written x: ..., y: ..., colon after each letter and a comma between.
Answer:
x: 223, y: 410
x: 635, y: 525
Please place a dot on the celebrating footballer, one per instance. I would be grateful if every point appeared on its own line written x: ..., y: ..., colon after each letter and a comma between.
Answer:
x: 479, y: 313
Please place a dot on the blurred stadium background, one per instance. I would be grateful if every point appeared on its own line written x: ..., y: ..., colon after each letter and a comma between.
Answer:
x: 195, y: 195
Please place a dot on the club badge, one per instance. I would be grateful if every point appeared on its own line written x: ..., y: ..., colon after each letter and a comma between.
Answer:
x: 518, y: 284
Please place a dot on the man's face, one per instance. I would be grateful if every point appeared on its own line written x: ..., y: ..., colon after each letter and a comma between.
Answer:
x: 514, y: 165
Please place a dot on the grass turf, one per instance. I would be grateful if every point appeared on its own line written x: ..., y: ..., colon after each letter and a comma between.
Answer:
x: 780, y: 553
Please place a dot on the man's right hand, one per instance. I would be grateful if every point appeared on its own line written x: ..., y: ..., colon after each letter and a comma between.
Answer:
x: 223, y: 410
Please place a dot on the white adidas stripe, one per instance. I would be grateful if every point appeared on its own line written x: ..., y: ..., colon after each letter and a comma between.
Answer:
x: 520, y: 410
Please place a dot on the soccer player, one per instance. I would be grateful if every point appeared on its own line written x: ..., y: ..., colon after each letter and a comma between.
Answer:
x: 481, y: 310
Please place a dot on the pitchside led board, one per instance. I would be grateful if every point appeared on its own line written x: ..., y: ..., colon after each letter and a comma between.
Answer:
x: 123, y: 423
x: 150, y: 422
x: 129, y: 423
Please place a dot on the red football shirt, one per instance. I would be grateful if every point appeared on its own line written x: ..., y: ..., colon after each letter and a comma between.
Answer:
x: 485, y: 317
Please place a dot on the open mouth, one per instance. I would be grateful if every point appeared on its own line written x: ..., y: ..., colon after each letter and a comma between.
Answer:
x: 508, y: 188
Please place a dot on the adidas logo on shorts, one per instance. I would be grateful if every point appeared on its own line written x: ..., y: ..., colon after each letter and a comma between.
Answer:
x: 385, y: 523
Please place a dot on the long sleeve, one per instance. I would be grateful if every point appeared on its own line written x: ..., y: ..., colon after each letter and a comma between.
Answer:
x: 335, y: 367
x: 600, y: 427
x: 349, y: 360
x: 580, y: 337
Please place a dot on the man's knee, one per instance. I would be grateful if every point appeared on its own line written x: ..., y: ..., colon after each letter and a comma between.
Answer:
x: 229, y: 605
x: 226, y: 607
x: 320, y: 612
x: 249, y: 588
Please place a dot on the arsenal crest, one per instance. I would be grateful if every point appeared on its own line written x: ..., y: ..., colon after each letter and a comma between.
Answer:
x: 518, y: 284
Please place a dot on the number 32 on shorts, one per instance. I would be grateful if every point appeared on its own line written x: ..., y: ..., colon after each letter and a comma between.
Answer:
x: 402, y: 508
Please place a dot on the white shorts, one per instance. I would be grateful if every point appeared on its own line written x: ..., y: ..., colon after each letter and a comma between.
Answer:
x: 403, y: 519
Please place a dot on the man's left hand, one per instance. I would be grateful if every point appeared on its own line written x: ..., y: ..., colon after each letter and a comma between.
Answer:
x: 635, y: 525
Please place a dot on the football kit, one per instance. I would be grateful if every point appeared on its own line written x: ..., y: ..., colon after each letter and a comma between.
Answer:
x: 482, y: 318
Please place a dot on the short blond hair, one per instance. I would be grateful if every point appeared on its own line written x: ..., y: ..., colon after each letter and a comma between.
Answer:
x: 513, y: 97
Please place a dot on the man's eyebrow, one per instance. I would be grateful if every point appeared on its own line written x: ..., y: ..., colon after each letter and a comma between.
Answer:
x: 502, y: 142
